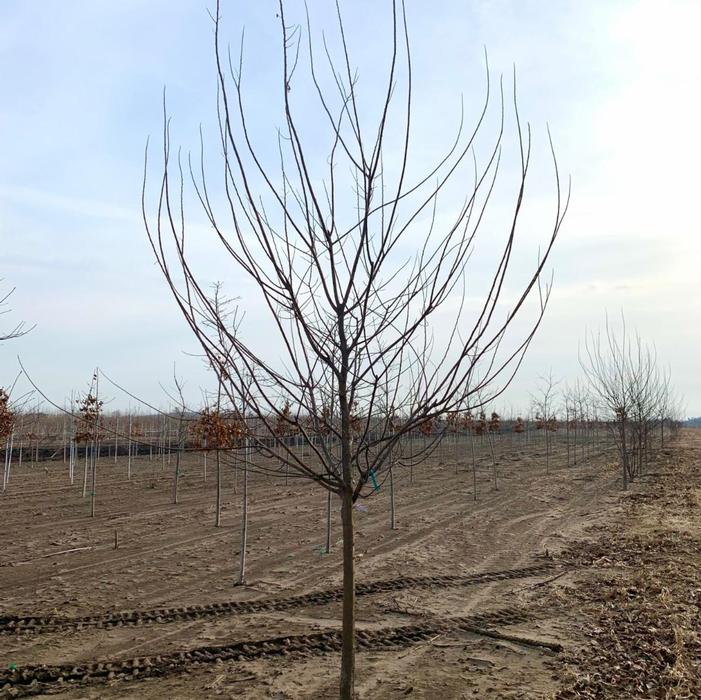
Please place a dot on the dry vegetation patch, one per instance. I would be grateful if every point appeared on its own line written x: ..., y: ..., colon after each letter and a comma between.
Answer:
x: 639, y: 606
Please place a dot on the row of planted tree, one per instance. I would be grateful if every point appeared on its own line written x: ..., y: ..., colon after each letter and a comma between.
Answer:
x: 626, y: 403
x: 564, y: 429
x: 627, y: 407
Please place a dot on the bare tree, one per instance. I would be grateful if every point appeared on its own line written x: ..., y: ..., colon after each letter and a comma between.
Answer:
x: 544, y: 407
x: 214, y: 429
x: 666, y: 399
x: 181, y: 433
x: 8, y: 419
x: 224, y: 328
x: 325, y: 245
x: 241, y: 431
x: 90, y: 413
x: 579, y: 408
x: 470, y: 430
x: 493, y: 428
x: 623, y: 375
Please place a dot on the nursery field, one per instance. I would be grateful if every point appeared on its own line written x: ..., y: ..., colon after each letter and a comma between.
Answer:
x: 494, y: 596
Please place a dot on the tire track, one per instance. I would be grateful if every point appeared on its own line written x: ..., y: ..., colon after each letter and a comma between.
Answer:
x: 32, y: 624
x: 33, y: 680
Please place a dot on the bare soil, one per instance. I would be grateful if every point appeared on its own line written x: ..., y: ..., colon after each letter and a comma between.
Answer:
x: 430, y: 625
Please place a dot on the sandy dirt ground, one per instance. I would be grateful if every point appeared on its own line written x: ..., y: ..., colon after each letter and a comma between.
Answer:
x: 449, y: 605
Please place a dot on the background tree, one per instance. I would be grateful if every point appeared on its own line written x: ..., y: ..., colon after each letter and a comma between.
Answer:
x: 88, y: 431
x: 214, y: 432
x: 573, y: 403
x: 6, y: 414
x: 470, y: 430
x: 355, y: 267
x: 543, y: 402
x: 623, y: 375
x: 181, y: 432
x: 282, y: 431
x: 7, y: 426
x: 240, y: 430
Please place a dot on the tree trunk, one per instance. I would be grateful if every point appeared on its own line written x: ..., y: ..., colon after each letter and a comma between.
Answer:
x: 85, y: 471
x: 163, y: 445
x: 129, y: 451
x: 624, y: 454
x: 217, y: 520
x: 9, y: 456
x: 474, y: 468
x: 94, y: 483
x: 490, y: 440
x: 177, y: 477
x: 71, y: 461
x: 348, y: 651
x: 392, y: 521
x: 4, y: 474
x: 96, y: 447
x: 327, y: 546
x: 244, y: 518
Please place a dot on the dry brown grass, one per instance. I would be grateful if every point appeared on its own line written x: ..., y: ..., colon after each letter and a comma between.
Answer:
x: 639, y: 605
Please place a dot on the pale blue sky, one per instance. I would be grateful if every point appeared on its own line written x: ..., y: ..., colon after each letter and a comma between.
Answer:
x: 81, y: 83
